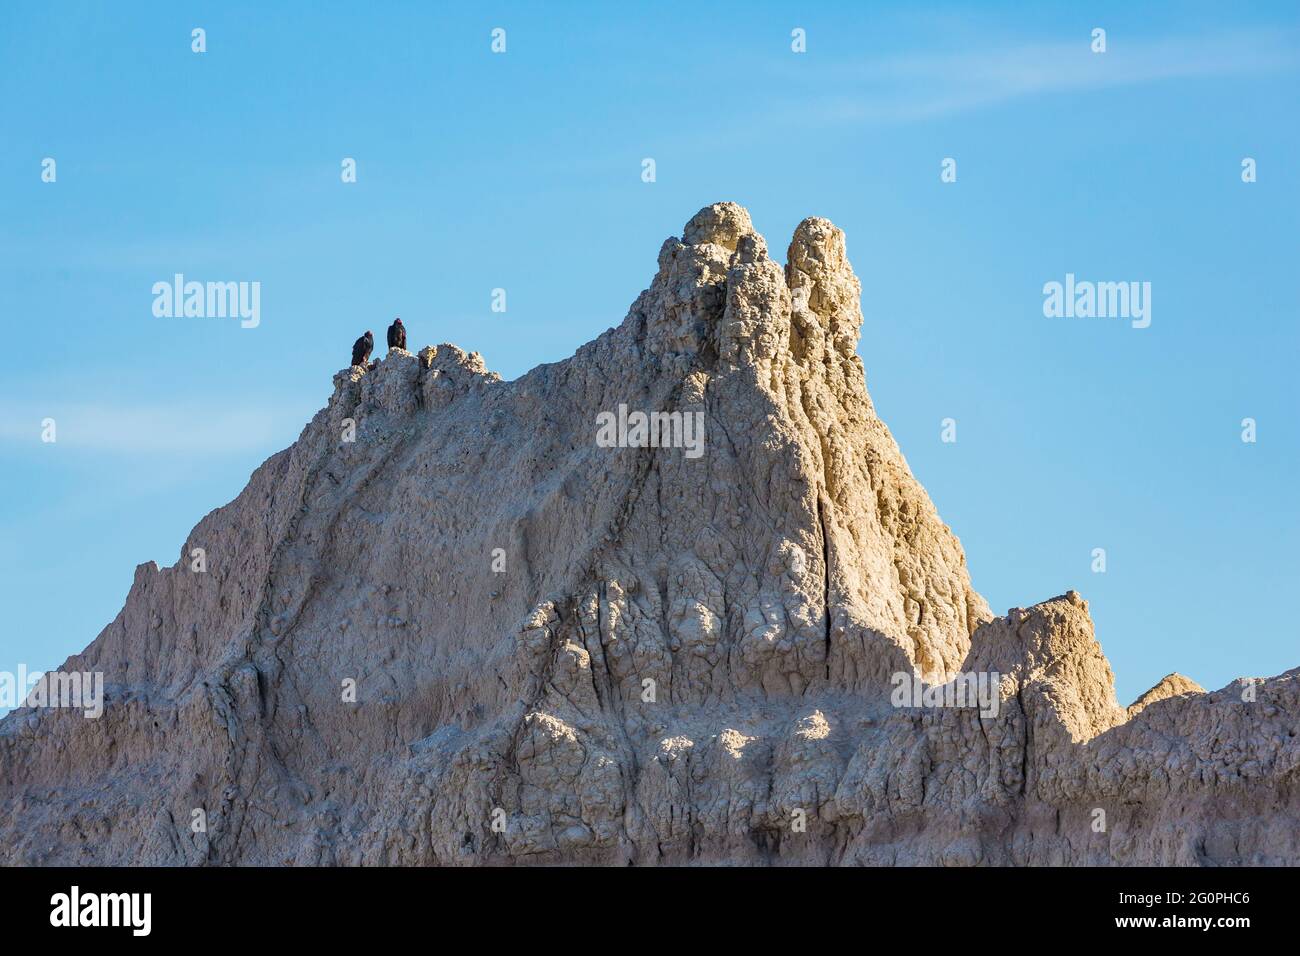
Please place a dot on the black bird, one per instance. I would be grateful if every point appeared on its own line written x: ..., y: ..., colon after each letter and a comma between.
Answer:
x: 397, y: 335
x: 362, y: 348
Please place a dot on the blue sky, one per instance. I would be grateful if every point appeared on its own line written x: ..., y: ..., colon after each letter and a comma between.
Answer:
x: 522, y: 171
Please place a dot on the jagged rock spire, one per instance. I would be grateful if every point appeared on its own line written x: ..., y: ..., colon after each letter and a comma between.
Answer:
x: 452, y: 625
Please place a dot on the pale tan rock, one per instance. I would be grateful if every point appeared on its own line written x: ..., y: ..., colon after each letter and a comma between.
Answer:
x: 564, y: 652
x: 1171, y: 685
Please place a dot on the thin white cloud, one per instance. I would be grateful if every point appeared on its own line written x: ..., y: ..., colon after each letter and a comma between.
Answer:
x: 924, y: 86
x: 187, y: 429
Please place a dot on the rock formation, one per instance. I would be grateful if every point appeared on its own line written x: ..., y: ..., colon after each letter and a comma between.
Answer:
x: 1171, y: 685
x: 449, y: 626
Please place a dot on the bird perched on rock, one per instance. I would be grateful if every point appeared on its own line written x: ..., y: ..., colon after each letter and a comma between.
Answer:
x: 397, y: 335
x: 362, y: 348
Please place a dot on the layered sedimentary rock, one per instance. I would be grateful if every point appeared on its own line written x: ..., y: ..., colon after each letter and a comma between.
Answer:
x: 449, y: 626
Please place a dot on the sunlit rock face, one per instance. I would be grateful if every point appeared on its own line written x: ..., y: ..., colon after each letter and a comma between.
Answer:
x: 676, y: 599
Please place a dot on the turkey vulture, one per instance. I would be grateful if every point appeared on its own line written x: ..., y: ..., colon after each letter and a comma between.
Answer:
x: 362, y: 348
x: 397, y: 335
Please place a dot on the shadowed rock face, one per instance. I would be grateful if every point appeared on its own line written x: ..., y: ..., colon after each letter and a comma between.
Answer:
x: 566, y: 652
